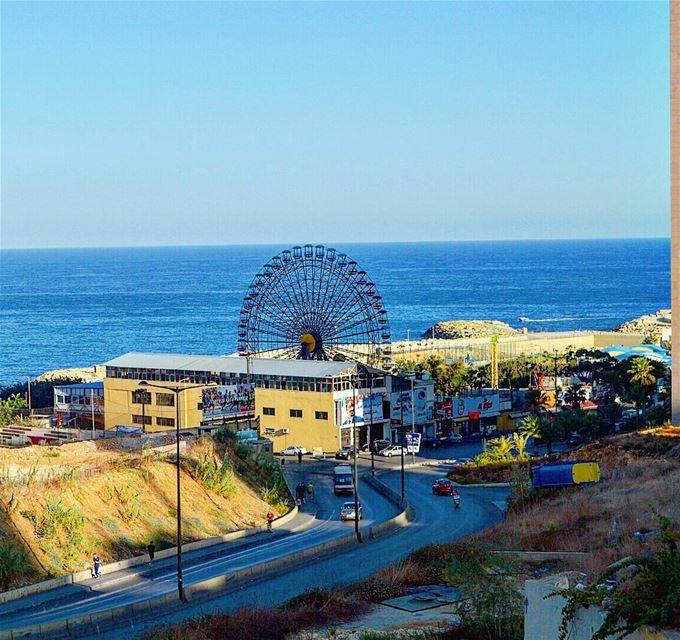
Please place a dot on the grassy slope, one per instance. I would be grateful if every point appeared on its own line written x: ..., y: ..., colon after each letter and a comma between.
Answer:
x: 114, y: 503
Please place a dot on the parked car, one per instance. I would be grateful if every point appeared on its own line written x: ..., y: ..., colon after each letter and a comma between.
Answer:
x: 293, y: 450
x: 347, y: 511
x: 461, y: 461
x: 393, y: 450
x: 454, y: 438
x: 345, y: 453
x: 575, y: 439
x: 442, y: 487
x: 379, y: 445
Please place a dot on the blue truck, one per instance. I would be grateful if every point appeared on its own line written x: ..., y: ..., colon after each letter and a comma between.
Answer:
x: 565, y: 474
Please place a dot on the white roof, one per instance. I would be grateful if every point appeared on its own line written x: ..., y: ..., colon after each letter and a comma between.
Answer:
x: 231, y: 364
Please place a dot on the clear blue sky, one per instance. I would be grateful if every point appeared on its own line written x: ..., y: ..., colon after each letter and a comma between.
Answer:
x: 216, y: 123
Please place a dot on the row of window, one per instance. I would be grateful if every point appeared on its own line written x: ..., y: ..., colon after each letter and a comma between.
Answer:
x: 295, y: 413
x: 147, y: 420
x: 140, y: 396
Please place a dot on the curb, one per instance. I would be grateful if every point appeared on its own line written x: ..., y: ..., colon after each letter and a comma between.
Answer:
x: 209, y: 588
x: 80, y: 577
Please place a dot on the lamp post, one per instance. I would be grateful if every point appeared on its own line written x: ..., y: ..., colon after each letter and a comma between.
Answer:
x: 401, y: 429
x: 177, y: 390
x: 356, y: 458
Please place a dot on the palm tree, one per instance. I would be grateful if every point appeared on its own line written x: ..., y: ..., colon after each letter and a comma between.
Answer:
x: 500, y: 448
x: 575, y: 396
x: 537, y: 400
x: 520, y: 442
x: 642, y: 373
x: 532, y: 426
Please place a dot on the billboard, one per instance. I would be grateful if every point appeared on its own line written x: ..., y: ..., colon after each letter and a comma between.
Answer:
x: 422, y: 406
x: 369, y: 407
x: 228, y: 400
x: 486, y: 405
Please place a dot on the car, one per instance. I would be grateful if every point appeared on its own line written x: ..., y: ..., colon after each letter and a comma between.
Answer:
x: 393, y: 450
x: 378, y: 445
x: 461, y: 461
x: 575, y: 439
x: 442, y: 487
x: 347, y: 511
x: 345, y: 453
x: 454, y: 438
x: 293, y: 450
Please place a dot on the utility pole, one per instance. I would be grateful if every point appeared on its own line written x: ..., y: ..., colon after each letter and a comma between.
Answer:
x: 413, y: 410
x: 92, y: 409
x: 370, y: 428
x: 28, y: 395
x: 356, y: 458
x: 401, y: 429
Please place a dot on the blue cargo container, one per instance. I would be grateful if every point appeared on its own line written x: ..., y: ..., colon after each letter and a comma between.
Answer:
x: 565, y: 474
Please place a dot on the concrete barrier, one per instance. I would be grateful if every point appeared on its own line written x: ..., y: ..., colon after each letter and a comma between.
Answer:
x: 209, y: 588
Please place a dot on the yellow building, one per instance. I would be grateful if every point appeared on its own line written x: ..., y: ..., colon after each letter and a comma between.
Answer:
x: 307, y: 403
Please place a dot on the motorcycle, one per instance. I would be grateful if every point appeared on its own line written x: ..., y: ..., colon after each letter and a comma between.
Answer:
x: 456, y: 501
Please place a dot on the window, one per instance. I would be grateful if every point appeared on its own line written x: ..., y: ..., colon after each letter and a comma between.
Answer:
x: 141, y: 419
x: 139, y: 396
x: 165, y: 422
x: 321, y: 415
x: 165, y: 399
x: 268, y: 411
x: 296, y: 413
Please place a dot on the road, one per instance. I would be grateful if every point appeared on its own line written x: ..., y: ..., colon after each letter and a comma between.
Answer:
x: 435, y: 521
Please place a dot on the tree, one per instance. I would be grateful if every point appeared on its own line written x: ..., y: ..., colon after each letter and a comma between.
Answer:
x: 500, y: 449
x: 575, y: 396
x: 611, y: 414
x: 9, y: 407
x: 520, y: 441
x: 532, y: 426
x: 587, y: 424
x: 641, y: 373
x: 537, y: 400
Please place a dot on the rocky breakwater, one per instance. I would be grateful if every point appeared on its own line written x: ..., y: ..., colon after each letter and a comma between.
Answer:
x: 452, y: 329
x: 650, y: 325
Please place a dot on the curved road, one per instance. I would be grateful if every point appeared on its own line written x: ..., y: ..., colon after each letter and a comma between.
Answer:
x: 435, y: 521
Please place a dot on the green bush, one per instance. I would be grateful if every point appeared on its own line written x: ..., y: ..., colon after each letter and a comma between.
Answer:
x: 219, y: 478
x: 13, y: 563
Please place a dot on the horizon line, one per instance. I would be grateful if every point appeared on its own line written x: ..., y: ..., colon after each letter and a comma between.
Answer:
x: 275, y: 244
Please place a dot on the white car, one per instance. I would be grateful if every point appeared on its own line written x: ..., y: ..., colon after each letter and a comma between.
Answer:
x: 394, y: 450
x: 293, y: 450
x: 454, y: 437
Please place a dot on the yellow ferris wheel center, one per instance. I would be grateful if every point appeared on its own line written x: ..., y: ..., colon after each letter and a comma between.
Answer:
x: 308, y: 341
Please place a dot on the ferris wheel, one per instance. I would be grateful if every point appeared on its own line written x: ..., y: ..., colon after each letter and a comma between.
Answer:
x: 314, y: 303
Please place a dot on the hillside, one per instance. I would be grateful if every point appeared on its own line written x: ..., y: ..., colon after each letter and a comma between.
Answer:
x: 611, y: 519
x: 78, y: 499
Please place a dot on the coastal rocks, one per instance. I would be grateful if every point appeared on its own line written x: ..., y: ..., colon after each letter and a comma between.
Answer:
x: 84, y: 374
x: 650, y: 325
x: 452, y: 329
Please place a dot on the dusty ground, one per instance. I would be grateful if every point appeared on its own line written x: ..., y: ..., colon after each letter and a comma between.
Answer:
x: 112, y: 503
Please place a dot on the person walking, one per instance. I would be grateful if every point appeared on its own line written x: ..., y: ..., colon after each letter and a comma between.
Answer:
x: 151, y: 550
x: 299, y: 456
x: 310, y: 491
x: 96, y: 564
x: 270, y: 519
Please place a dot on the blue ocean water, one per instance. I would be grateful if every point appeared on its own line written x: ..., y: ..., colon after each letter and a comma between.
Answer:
x: 76, y: 307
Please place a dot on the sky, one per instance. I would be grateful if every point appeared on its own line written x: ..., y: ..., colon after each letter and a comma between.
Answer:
x: 152, y: 123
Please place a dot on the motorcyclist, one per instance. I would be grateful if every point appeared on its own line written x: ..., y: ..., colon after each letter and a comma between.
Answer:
x: 456, y: 498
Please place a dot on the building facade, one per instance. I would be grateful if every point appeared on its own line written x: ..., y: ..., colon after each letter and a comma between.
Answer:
x: 297, y: 402
x: 79, y: 405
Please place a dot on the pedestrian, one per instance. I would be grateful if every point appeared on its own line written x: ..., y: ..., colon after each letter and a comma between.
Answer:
x: 96, y: 563
x: 310, y: 490
x: 301, y: 491
x: 270, y: 519
x: 151, y: 549
x: 299, y: 456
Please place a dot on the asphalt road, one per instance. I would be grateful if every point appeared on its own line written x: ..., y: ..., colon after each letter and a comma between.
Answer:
x: 318, y: 523
x: 436, y: 520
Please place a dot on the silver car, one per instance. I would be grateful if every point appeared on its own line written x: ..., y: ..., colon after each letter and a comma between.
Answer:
x: 347, y: 511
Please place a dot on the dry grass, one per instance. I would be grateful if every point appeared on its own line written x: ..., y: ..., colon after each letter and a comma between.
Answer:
x: 601, y: 519
x: 316, y: 607
x: 391, y: 582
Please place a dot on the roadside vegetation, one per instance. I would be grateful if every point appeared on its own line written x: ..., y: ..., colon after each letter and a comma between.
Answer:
x: 64, y: 508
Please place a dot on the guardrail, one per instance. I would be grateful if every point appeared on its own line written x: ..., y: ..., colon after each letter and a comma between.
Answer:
x: 209, y: 588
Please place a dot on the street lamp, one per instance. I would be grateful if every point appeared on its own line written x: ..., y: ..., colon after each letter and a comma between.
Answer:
x: 355, y: 380
x: 177, y: 390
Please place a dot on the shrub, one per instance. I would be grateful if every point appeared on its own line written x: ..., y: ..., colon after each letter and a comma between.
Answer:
x: 13, y: 563
x: 390, y: 582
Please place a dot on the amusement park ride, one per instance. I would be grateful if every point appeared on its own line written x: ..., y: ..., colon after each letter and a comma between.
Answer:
x: 314, y: 303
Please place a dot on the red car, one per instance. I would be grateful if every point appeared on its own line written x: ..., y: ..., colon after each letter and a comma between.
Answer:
x: 442, y: 487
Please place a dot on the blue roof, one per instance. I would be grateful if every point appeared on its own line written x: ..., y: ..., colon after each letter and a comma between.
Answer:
x: 82, y: 385
x: 650, y: 351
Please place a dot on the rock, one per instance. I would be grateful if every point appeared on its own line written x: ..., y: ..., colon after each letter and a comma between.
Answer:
x: 452, y: 329
x: 649, y: 325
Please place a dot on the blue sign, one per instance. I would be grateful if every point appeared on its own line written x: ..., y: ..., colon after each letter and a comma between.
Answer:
x: 413, y: 442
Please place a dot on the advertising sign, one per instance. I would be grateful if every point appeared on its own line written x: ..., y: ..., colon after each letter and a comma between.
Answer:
x: 412, y: 442
x: 423, y: 412
x: 228, y: 400
x: 445, y: 408
x: 486, y: 405
x: 369, y: 407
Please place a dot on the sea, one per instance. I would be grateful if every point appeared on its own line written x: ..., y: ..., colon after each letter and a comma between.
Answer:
x: 76, y: 307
